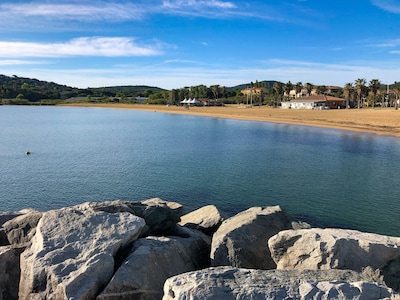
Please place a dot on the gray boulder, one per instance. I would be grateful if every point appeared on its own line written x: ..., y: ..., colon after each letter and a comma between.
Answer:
x: 9, y: 272
x: 21, y: 229
x: 242, y: 241
x: 153, y: 260
x: 3, y: 238
x: 317, y: 248
x: 391, y: 274
x: 232, y: 283
x: 72, y: 253
x: 160, y: 215
x: 206, y: 219
x: 7, y: 216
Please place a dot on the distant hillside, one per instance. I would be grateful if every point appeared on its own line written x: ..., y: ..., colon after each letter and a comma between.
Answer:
x: 35, y: 90
x: 265, y: 83
x: 127, y: 90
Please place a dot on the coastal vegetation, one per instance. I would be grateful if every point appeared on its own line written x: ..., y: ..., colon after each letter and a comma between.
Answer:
x: 360, y: 93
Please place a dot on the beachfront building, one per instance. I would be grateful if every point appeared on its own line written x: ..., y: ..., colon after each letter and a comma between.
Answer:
x: 327, y: 89
x: 315, y: 102
x: 253, y: 91
x: 253, y: 94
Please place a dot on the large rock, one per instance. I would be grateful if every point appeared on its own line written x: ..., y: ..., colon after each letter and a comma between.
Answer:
x: 3, y: 238
x: 206, y: 219
x: 332, y: 249
x: 391, y: 274
x: 7, y: 216
x: 151, y: 262
x: 160, y: 215
x: 231, y: 283
x: 72, y: 252
x: 21, y: 229
x: 242, y: 241
x: 9, y: 272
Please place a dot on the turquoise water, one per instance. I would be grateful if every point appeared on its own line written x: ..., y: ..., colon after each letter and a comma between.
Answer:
x: 328, y: 177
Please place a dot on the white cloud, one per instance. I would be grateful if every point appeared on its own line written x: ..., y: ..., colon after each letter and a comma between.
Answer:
x: 63, y: 14
x: 15, y: 62
x: 392, y: 6
x: 198, y: 4
x: 389, y: 43
x: 84, y: 46
x: 81, y: 12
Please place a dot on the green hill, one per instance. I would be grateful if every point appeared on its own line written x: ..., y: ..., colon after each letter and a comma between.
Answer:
x: 34, y: 90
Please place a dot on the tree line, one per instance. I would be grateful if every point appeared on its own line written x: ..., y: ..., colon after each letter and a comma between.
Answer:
x: 359, y: 93
x: 20, y: 90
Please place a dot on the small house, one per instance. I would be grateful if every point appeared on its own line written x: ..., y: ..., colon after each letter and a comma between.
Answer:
x: 315, y: 102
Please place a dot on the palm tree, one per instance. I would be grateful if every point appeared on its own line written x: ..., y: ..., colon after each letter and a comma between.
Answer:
x: 278, y: 89
x: 215, y: 91
x: 298, y: 87
x: 359, y: 85
x: 309, y: 87
x: 374, y: 86
x: 348, y: 89
x: 321, y: 89
x: 397, y: 93
x: 287, y: 88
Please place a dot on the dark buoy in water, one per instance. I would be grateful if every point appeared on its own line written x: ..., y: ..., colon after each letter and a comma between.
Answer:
x: 27, y: 153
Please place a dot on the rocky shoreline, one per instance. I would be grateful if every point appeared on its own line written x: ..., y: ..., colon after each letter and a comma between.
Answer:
x: 153, y: 250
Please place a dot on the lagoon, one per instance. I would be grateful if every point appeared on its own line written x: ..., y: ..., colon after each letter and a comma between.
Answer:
x: 325, y: 176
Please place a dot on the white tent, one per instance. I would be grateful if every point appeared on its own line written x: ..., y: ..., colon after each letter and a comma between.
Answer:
x: 190, y: 101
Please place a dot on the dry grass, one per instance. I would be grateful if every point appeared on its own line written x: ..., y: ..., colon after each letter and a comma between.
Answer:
x: 385, y: 121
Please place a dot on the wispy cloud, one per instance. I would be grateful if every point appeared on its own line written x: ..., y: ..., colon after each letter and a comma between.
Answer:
x: 36, y: 13
x: 392, y: 6
x: 177, y: 4
x: 84, y: 46
x: 109, y: 11
x: 17, y: 62
x: 389, y: 43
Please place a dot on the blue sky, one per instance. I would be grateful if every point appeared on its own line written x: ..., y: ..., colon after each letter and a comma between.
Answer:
x: 177, y: 43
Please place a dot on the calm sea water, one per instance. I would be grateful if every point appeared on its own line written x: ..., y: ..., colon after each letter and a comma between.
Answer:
x: 331, y: 177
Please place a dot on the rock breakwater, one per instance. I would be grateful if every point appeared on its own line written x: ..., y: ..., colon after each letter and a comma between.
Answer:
x: 153, y: 250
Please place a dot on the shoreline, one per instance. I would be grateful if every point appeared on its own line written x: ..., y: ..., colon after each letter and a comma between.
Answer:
x: 380, y: 121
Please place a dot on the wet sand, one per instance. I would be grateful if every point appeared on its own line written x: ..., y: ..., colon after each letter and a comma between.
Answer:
x: 383, y: 121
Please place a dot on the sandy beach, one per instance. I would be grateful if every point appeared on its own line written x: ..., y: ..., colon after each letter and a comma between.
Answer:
x: 383, y: 121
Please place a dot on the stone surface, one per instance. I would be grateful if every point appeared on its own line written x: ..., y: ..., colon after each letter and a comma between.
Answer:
x: 151, y: 262
x: 21, y: 229
x: 206, y: 219
x: 3, y: 238
x: 72, y: 252
x: 317, y: 248
x: 159, y: 215
x: 242, y: 241
x: 7, y: 216
x: 9, y: 272
x: 232, y: 283
x: 391, y: 274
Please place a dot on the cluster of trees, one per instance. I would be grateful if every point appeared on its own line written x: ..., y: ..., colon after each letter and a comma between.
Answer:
x: 19, y: 90
x: 358, y: 94
x: 375, y: 93
x: 214, y: 93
